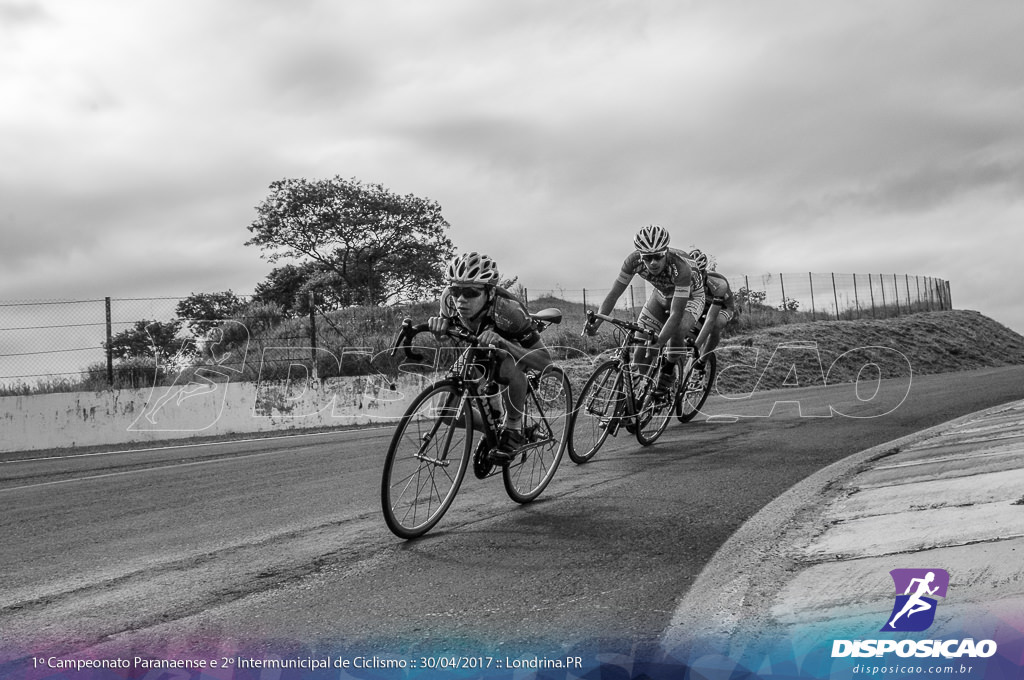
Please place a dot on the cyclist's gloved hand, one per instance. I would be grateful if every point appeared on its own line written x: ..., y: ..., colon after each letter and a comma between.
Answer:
x: 491, y: 338
x: 438, y: 325
x: 590, y: 328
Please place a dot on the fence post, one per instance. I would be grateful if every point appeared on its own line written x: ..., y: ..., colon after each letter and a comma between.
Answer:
x: 810, y: 281
x: 906, y: 278
x: 949, y: 295
x: 746, y: 284
x: 584, y: 300
x: 835, y: 295
x: 856, y: 298
x: 872, y: 289
x: 632, y: 300
x: 110, y: 350
x: 896, y: 293
x: 917, y: 282
x: 526, y: 297
x: 783, y: 285
x: 312, y: 335
x: 882, y: 285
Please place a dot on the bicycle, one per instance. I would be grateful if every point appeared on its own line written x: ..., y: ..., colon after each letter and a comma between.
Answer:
x: 432, y: 446
x: 696, y: 382
x: 616, y: 395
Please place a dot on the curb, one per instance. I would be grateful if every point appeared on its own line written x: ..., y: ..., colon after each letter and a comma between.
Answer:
x: 729, y: 593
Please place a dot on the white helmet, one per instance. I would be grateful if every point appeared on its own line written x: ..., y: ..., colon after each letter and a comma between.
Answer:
x: 651, y: 239
x: 473, y: 268
x: 699, y: 259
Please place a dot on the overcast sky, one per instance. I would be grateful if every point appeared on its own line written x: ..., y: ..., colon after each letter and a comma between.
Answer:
x: 779, y: 136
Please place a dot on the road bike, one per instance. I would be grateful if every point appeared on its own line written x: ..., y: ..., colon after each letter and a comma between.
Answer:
x: 700, y: 367
x: 433, y: 444
x: 621, y: 394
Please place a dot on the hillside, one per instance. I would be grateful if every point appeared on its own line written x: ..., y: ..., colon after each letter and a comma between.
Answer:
x: 932, y: 342
x: 926, y: 343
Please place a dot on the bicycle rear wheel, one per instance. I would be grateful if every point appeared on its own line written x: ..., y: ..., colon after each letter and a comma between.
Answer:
x: 595, y: 411
x: 427, y: 460
x: 546, y: 428
x: 655, y: 412
x: 694, y: 392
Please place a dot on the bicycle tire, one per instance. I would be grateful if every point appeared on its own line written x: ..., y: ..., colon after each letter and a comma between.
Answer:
x: 691, y: 397
x: 653, y: 416
x: 546, y: 424
x: 599, y: 403
x: 417, y: 487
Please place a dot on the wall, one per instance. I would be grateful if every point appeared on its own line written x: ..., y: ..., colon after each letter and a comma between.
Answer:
x: 198, y: 409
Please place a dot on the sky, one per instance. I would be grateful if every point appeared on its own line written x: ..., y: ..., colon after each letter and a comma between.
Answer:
x: 777, y: 135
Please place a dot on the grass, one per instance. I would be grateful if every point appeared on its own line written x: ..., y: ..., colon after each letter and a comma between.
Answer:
x: 356, y: 341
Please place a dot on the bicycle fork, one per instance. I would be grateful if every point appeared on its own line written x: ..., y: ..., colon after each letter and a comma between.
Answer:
x: 447, y: 415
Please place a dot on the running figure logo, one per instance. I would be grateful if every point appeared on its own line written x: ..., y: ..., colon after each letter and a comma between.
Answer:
x: 914, y: 610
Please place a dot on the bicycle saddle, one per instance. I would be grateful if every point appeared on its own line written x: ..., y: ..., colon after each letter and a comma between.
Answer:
x: 550, y: 315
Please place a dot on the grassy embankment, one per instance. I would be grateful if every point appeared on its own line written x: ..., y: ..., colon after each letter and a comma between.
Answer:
x: 355, y: 342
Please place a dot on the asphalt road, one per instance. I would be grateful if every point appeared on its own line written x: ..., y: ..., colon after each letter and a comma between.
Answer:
x: 278, y: 545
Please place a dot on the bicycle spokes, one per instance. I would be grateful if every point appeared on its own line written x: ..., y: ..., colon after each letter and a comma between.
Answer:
x: 546, y: 429
x: 420, y: 481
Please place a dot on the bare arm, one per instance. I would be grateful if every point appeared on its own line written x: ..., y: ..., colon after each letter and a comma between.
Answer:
x: 677, y: 317
x: 618, y: 288
x: 536, y: 356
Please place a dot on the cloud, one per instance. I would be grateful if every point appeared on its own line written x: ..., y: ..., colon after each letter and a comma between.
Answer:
x: 786, y: 135
x: 19, y: 14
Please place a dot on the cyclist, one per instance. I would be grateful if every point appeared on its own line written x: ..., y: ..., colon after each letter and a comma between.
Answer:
x: 474, y: 300
x: 673, y: 306
x: 715, y: 286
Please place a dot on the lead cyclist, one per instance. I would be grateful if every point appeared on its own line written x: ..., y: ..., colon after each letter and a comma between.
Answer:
x: 475, y: 301
x: 675, y: 303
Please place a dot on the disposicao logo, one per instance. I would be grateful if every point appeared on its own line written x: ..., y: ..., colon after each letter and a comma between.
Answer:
x: 914, y: 609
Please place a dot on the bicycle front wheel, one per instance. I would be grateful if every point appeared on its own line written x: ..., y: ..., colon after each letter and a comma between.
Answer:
x: 427, y: 460
x: 595, y: 412
x: 695, y: 390
x: 546, y: 429
x: 655, y: 410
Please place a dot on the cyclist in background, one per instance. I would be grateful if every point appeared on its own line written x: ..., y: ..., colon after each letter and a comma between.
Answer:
x: 475, y: 301
x: 675, y: 303
x: 715, y: 286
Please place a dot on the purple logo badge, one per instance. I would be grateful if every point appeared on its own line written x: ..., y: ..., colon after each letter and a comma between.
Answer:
x: 916, y: 589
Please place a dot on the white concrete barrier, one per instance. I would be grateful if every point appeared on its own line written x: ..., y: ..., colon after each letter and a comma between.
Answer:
x: 207, y: 406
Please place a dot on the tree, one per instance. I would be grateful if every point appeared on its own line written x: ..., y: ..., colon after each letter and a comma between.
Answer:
x: 284, y: 286
x: 203, y: 311
x: 371, y: 246
x: 151, y: 339
x: 289, y: 288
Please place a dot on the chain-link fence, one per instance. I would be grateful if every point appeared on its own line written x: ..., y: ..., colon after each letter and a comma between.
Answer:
x: 98, y: 344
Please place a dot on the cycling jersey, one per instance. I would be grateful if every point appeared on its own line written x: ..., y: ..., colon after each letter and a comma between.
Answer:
x: 717, y: 286
x: 505, y: 315
x: 677, y: 277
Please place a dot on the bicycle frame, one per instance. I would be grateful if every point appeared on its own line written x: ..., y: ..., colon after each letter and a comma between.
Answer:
x: 432, y: 446
x: 691, y: 396
x: 698, y: 350
x: 477, y: 358
x: 635, y: 338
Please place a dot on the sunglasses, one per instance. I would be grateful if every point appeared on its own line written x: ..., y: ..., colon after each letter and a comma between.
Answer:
x: 652, y: 257
x: 465, y: 292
